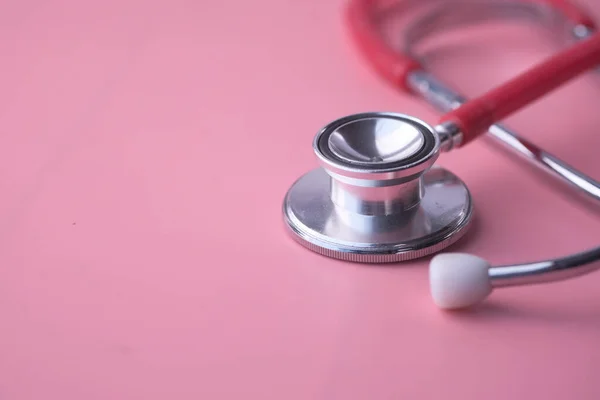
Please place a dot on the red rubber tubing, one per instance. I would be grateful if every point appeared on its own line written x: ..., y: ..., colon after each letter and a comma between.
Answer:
x: 393, y: 66
x: 390, y: 64
x: 476, y: 116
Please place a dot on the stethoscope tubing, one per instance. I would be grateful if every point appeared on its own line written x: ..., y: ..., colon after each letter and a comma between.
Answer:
x: 444, y: 98
x: 474, y: 117
x: 482, y: 115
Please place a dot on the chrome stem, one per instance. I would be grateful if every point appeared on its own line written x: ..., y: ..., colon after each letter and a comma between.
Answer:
x: 446, y: 99
x: 546, y: 271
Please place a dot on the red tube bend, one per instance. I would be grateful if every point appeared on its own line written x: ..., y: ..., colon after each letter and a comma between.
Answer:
x: 390, y: 64
x: 476, y: 116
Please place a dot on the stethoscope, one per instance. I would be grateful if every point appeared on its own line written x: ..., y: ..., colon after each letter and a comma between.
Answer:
x: 378, y: 196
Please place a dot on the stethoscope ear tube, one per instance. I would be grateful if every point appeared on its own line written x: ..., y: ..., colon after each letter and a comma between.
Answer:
x: 395, y: 66
x: 403, y: 70
x: 463, y: 280
x: 476, y: 116
x: 391, y: 65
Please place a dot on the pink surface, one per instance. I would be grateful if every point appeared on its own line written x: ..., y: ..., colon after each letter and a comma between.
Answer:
x: 145, y: 148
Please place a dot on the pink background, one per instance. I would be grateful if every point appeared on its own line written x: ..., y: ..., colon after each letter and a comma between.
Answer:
x: 145, y: 148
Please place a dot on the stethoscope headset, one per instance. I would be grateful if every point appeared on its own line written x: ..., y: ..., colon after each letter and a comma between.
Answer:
x: 378, y: 196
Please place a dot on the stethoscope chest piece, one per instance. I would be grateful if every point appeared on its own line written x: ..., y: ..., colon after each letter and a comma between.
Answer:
x: 377, y: 196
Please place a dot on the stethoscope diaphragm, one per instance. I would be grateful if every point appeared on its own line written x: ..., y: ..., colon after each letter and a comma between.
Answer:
x: 377, y: 196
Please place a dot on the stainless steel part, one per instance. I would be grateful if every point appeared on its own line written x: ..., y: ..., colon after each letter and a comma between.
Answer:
x: 375, y: 140
x: 377, y: 197
x: 546, y: 271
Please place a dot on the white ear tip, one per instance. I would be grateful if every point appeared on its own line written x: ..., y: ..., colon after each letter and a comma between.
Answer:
x: 458, y: 280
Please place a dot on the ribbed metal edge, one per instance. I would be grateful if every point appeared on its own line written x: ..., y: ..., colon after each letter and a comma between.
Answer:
x: 359, y: 256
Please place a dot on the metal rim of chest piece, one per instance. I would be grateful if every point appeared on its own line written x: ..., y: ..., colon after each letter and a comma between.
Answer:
x: 377, y: 196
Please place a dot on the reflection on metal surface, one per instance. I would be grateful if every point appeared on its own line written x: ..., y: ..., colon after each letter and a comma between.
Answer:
x: 390, y: 209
